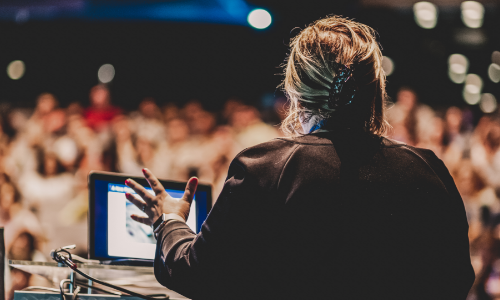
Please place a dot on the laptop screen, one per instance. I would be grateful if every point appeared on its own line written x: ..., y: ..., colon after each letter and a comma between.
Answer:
x: 113, y: 233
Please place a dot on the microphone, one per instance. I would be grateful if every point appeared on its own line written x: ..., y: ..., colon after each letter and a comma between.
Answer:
x: 57, y: 256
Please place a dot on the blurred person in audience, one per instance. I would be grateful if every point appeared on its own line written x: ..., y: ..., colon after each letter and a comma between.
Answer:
x: 125, y: 151
x: 46, y: 103
x: 55, y: 122
x: 4, y: 139
x: 14, y: 217
x: 476, y: 196
x: 432, y: 136
x: 227, y: 150
x: 47, y: 190
x: 170, y: 111
x: 189, y: 111
x: 249, y: 128
x: 24, y: 247
x: 175, y: 145
x: 45, y: 120
x: 485, y: 151
x: 148, y: 121
x: 101, y: 111
x: 90, y: 148
x: 230, y: 106
x: 453, y: 125
x: 201, y: 149
x: 20, y: 154
x: 136, y: 150
x: 408, y: 117
x: 456, y: 138
x: 10, y: 202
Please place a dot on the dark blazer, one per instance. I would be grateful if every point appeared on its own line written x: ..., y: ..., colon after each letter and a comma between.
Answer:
x: 343, y: 215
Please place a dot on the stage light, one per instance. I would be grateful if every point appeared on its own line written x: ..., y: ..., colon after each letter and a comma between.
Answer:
x: 16, y: 69
x: 457, y: 67
x: 387, y: 65
x: 472, y: 89
x: 488, y: 103
x: 472, y: 14
x: 426, y: 14
x: 494, y: 73
x: 106, y: 73
x: 259, y: 18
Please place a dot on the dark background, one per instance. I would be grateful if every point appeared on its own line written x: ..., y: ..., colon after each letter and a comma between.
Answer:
x: 175, y: 61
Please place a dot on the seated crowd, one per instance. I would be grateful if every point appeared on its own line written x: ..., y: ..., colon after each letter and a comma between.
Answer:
x: 46, y: 154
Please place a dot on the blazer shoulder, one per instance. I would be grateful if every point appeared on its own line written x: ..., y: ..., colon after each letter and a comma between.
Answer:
x: 264, y: 162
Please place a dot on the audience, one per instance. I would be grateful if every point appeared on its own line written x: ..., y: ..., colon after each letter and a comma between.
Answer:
x: 52, y: 149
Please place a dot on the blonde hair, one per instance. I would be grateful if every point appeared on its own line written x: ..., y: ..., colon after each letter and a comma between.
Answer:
x: 316, y: 52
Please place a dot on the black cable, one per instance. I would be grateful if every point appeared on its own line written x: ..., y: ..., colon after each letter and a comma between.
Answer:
x: 117, y: 287
x: 68, y: 262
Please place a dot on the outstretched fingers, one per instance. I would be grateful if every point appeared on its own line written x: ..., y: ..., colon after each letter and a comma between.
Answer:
x: 153, y: 182
x: 190, y: 189
x: 136, y: 201
x: 140, y: 190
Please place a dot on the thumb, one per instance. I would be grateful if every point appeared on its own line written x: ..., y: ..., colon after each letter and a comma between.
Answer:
x: 190, y: 189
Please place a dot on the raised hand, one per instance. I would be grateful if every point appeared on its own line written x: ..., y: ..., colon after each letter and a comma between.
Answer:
x: 161, y: 202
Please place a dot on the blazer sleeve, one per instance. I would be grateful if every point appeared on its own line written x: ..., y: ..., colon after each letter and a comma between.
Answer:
x: 202, y: 265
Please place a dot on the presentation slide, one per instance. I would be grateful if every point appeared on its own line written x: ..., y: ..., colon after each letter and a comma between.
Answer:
x: 126, y: 237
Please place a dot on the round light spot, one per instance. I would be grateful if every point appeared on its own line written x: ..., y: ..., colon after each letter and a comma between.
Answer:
x: 494, y: 73
x: 456, y: 77
x: 16, y: 69
x: 488, y: 103
x: 472, y: 14
x: 259, y: 18
x: 426, y: 14
x: 474, y: 79
x: 458, y: 68
x: 472, y: 89
x: 106, y: 73
x: 387, y: 65
x: 495, y: 57
x: 471, y: 99
x: 458, y: 65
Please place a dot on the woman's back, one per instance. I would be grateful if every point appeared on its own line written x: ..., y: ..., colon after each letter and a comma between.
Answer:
x: 347, y: 215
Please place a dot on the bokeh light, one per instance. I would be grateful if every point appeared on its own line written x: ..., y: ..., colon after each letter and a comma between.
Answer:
x: 495, y: 57
x: 259, y: 18
x: 458, y: 65
x: 494, y: 72
x: 472, y: 14
x: 488, y: 103
x: 387, y: 65
x: 16, y: 69
x: 472, y: 89
x: 106, y: 73
x: 426, y: 14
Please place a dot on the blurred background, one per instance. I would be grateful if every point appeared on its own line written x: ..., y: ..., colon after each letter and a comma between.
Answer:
x: 181, y: 87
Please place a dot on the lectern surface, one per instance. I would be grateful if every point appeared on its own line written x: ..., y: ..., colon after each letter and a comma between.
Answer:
x: 53, y: 270
x: 136, y: 279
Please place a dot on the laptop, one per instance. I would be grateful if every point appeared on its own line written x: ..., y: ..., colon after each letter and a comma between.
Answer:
x: 114, y: 238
